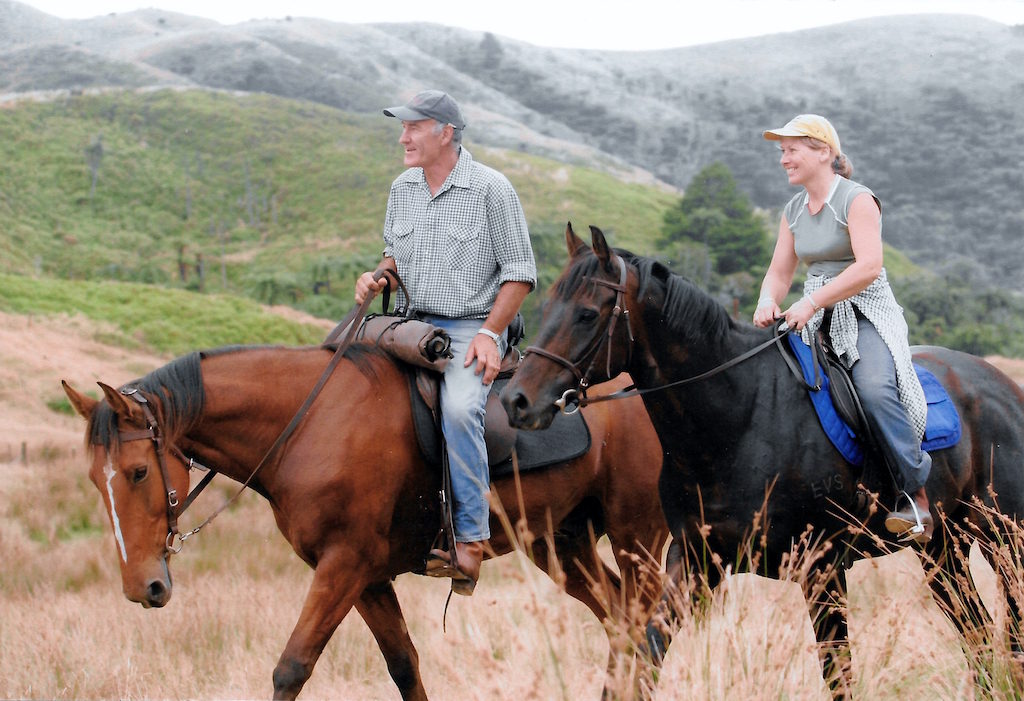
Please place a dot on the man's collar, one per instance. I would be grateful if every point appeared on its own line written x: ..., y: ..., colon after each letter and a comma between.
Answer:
x: 459, y: 177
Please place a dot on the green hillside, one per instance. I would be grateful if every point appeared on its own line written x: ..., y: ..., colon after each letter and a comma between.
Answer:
x: 167, y: 321
x: 275, y: 199
x: 254, y: 198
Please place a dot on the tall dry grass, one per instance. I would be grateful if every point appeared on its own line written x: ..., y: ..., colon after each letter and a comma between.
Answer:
x: 66, y: 632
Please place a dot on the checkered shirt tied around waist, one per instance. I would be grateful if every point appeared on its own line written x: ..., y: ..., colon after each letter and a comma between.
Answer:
x: 879, y: 306
x: 456, y: 248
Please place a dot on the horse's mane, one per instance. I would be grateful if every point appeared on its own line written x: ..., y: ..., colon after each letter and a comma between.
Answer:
x: 178, y: 389
x: 686, y: 310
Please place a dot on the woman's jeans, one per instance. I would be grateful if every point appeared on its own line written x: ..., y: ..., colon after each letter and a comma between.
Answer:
x: 874, y: 376
x: 463, y: 398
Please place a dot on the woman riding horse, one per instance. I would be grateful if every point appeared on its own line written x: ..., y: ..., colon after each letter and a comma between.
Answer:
x: 835, y: 227
x: 744, y: 451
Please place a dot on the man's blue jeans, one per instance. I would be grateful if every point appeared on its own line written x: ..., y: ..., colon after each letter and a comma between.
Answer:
x: 874, y: 376
x: 463, y: 398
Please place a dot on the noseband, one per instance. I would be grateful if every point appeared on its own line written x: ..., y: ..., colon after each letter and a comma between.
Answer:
x: 570, y: 401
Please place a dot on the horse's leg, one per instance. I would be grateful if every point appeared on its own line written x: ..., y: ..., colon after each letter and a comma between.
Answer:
x: 637, y: 544
x: 828, y: 618
x: 590, y: 581
x: 659, y: 634
x: 335, y: 589
x: 380, y: 609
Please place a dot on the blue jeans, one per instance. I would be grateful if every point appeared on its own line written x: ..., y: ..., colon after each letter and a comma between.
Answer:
x: 463, y: 398
x: 874, y: 376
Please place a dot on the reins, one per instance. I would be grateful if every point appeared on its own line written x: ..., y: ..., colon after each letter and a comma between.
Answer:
x: 573, y: 399
x: 152, y: 432
x: 575, y: 405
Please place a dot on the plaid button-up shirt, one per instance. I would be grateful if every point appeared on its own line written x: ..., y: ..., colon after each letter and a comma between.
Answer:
x: 454, y: 249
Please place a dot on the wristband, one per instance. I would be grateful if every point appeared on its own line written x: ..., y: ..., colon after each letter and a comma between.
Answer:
x: 814, y: 304
x: 493, y: 336
x: 766, y: 300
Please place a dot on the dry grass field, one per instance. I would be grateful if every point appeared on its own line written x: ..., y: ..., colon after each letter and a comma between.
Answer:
x: 66, y: 631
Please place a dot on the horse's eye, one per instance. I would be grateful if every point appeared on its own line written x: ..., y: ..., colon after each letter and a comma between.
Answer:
x: 586, y: 316
x: 139, y: 473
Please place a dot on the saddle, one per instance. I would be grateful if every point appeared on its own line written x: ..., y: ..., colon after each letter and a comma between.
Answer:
x: 839, y: 410
x: 567, y: 438
x: 424, y: 350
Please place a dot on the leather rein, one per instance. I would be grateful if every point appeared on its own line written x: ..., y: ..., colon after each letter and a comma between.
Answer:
x: 574, y: 399
x: 153, y: 433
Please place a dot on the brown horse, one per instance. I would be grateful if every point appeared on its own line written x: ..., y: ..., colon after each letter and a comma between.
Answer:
x: 352, y: 493
x: 742, y: 445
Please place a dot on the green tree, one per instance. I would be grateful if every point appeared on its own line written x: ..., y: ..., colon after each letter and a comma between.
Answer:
x: 716, y: 214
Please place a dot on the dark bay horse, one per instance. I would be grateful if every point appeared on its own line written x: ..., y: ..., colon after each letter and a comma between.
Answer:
x: 352, y: 494
x: 744, y: 444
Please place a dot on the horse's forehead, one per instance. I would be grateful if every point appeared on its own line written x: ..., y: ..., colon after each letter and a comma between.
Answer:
x: 100, y: 464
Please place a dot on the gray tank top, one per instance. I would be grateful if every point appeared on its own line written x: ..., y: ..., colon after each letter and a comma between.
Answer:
x: 822, y: 240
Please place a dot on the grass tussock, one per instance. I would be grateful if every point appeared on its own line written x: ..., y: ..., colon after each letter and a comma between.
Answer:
x: 67, y: 632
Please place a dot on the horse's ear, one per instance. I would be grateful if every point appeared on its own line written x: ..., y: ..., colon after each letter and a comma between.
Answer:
x: 83, y: 404
x: 128, y: 411
x: 601, y: 248
x: 573, y: 242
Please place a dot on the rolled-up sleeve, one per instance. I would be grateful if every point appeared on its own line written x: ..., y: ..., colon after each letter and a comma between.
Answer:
x: 512, y: 247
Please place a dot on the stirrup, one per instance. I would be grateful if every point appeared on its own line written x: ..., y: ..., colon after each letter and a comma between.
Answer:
x: 916, y: 530
x: 918, y: 527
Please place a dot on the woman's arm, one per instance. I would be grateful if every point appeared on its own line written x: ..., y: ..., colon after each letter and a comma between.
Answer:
x: 778, y: 278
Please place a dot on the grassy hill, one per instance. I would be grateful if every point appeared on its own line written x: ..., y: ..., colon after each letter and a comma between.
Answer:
x: 928, y: 106
x: 161, y: 320
x: 280, y: 200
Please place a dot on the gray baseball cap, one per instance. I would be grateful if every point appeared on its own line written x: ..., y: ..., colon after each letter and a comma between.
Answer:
x: 429, y: 104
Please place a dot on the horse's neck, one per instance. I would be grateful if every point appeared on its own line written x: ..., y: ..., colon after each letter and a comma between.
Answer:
x: 721, y: 403
x: 250, y: 398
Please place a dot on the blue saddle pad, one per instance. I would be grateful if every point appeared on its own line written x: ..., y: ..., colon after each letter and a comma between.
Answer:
x: 942, y: 429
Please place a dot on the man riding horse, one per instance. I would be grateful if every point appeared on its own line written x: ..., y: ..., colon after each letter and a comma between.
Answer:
x: 456, y: 234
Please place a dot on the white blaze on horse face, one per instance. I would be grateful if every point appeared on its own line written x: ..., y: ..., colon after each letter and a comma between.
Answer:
x: 109, y: 471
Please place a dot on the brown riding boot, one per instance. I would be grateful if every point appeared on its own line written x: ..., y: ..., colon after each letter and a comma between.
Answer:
x: 914, y: 520
x: 464, y: 572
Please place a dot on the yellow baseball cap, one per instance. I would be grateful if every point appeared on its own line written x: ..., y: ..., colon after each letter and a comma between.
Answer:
x: 812, y: 125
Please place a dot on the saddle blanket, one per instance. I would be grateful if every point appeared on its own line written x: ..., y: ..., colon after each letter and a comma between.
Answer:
x: 566, y: 439
x: 941, y: 431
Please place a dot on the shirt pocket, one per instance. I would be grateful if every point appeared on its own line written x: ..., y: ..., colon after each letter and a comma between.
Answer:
x: 463, y: 246
x: 402, y: 241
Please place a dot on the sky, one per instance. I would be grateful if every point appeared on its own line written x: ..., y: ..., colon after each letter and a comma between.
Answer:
x: 587, y: 24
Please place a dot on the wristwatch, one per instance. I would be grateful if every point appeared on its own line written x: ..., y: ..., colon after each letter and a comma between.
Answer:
x: 493, y: 336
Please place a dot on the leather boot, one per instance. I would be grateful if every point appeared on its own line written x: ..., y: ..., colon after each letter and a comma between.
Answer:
x: 464, y: 572
x: 914, y: 520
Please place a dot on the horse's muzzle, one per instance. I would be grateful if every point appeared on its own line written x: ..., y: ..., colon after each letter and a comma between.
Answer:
x: 524, y: 414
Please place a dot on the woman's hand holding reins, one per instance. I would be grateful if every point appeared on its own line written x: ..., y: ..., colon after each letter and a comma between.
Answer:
x: 800, y: 313
x: 766, y: 313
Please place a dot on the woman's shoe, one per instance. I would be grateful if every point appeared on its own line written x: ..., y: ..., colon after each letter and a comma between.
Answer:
x: 911, y: 522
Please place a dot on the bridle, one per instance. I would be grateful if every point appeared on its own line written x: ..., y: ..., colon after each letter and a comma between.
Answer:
x: 152, y: 433
x: 573, y: 398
